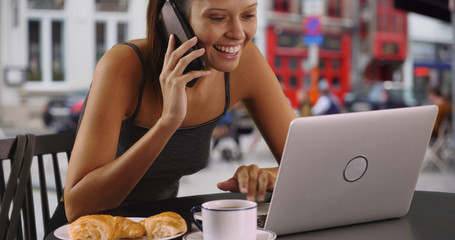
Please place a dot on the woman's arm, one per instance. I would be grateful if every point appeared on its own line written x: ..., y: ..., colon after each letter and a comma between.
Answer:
x: 256, y: 85
x: 96, y: 182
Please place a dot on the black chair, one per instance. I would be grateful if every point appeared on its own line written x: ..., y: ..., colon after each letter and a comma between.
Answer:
x: 48, y: 152
x: 31, y: 157
x: 12, y: 192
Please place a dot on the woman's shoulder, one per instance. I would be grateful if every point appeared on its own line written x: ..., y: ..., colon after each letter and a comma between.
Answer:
x: 117, y: 78
x: 121, y: 60
x: 120, y: 68
x: 123, y: 53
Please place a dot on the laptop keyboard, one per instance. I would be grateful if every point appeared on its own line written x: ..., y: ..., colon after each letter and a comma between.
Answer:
x: 263, y: 209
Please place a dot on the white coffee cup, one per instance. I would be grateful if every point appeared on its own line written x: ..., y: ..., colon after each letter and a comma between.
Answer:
x: 228, y: 219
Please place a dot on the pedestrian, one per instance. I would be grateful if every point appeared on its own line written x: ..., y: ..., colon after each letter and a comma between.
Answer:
x: 327, y: 103
x: 445, y: 110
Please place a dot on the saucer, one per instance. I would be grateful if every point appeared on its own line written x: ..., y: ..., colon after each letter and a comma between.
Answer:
x: 261, y: 234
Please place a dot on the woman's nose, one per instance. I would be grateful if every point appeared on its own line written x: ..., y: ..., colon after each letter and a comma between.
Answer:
x: 236, y: 30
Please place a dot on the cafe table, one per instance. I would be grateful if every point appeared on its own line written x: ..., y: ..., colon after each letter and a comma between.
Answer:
x: 431, y: 216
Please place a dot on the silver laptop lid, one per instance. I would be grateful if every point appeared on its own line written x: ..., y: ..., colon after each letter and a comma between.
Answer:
x: 349, y: 168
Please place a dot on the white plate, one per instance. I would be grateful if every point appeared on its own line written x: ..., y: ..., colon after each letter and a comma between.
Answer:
x: 262, y: 234
x: 62, y: 232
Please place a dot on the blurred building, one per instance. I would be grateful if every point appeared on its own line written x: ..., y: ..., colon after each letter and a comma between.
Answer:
x: 430, y: 55
x: 362, y: 40
x: 288, y: 54
x: 51, y: 47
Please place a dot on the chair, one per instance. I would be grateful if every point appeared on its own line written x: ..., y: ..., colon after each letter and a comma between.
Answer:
x: 48, y: 152
x: 12, y: 192
x: 42, y: 158
x: 441, y: 152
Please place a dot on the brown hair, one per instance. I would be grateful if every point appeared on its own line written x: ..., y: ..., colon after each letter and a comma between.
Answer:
x: 156, y: 44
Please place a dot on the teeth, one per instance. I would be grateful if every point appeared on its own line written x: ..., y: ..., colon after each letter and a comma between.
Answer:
x: 225, y: 49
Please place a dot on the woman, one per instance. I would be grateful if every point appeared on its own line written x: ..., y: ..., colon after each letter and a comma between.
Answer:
x: 143, y: 129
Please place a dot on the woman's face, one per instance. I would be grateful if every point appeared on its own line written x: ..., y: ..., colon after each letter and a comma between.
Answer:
x: 223, y: 28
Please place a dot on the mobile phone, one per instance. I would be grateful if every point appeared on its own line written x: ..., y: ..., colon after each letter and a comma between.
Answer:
x: 173, y: 22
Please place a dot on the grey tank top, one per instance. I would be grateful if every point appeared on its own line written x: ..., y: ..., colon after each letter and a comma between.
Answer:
x: 186, y: 152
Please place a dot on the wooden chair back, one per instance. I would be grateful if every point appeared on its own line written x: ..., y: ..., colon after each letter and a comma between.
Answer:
x: 12, y: 187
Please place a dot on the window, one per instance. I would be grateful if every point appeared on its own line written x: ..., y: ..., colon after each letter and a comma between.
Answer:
x: 281, y: 5
x: 335, y: 8
x: 122, y: 32
x: 100, y: 39
x: 46, y: 58
x: 111, y: 5
x: 111, y: 25
x: 34, y: 56
x: 444, y: 53
x: 293, y: 63
x: 107, y: 36
x: 278, y: 62
x: 336, y: 82
x: 46, y: 4
x: 58, y: 73
x: 46, y: 41
x: 293, y: 81
x: 424, y: 51
x: 336, y: 63
x: 321, y: 64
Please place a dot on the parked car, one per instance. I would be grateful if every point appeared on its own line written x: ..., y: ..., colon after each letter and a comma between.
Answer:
x: 62, y: 112
x: 380, y: 95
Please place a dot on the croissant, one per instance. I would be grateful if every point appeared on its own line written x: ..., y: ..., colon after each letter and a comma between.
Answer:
x: 164, y: 225
x: 104, y: 227
x: 93, y: 227
x: 127, y: 228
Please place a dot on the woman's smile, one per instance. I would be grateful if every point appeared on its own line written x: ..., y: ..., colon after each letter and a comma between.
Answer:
x: 228, y: 51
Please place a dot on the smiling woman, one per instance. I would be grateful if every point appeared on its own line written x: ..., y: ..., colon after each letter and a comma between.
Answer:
x: 142, y: 128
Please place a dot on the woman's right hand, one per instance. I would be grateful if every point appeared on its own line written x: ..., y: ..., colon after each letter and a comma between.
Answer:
x: 173, y: 81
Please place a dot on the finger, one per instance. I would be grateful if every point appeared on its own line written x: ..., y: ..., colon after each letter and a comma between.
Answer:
x: 242, y: 177
x: 186, y: 60
x: 229, y: 185
x: 178, y: 53
x: 253, y: 182
x: 195, y: 74
x: 169, y: 50
x: 263, y: 182
x: 186, y: 46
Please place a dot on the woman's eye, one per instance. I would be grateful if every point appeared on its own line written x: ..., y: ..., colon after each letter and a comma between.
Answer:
x: 249, y: 16
x: 216, y: 19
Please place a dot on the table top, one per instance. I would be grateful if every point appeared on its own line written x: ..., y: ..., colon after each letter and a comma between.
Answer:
x: 431, y: 216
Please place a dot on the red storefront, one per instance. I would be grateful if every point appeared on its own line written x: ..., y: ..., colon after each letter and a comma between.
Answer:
x: 383, y: 45
x: 389, y: 41
x: 288, y: 57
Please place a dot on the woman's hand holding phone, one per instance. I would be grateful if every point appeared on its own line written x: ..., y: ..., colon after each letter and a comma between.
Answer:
x: 173, y: 81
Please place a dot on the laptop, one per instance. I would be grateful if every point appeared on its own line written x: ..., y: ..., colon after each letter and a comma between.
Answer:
x: 349, y: 168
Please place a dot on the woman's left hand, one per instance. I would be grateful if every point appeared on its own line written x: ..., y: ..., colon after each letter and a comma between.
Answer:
x: 251, y: 180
